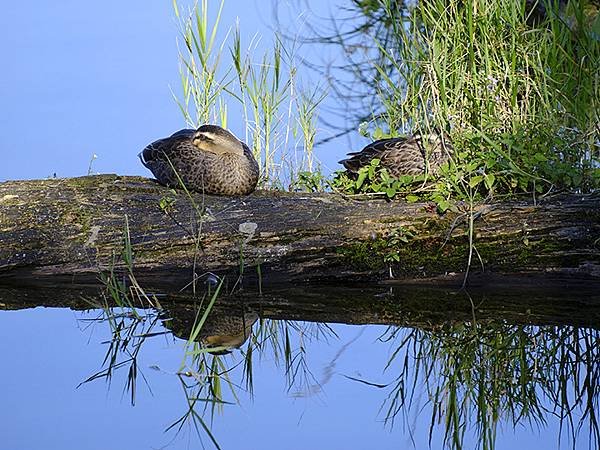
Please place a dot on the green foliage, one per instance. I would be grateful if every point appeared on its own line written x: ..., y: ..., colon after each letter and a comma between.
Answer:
x: 373, y: 179
x: 167, y: 203
x: 308, y: 181
x: 533, y: 159
x: 526, y: 161
x: 520, y: 101
x: 394, y: 240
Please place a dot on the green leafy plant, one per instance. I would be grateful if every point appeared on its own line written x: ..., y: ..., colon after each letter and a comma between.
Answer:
x: 310, y: 182
x: 373, y: 180
x: 397, y: 237
x: 519, y: 96
x: 167, y: 202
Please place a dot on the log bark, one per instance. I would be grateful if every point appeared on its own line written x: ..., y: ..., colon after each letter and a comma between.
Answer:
x: 59, y: 230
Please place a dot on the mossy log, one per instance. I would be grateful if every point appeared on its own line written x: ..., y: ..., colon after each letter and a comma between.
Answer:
x: 58, y: 230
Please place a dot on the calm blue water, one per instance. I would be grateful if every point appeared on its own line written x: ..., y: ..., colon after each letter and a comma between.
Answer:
x: 48, y: 352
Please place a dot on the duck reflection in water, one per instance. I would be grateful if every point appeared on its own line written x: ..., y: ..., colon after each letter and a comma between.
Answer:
x: 221, y: 333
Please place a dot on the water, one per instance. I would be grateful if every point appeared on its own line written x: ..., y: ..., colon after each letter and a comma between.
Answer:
x: 311, y: 384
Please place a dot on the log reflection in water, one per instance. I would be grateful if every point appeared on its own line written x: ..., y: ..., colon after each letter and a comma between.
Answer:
x: 409, y: 306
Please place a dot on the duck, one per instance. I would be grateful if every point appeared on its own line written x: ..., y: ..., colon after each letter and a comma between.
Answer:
x: 416, y: 154
x: 209, y: 160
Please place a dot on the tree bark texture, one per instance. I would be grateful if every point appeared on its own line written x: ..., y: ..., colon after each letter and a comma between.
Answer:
x: 59, y: 230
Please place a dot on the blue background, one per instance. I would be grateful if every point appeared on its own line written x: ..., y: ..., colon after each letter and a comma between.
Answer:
x: 80, y: 79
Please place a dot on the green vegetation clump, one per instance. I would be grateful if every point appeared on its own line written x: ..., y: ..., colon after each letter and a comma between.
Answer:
x: 520, y: 100
x: 516, y: 91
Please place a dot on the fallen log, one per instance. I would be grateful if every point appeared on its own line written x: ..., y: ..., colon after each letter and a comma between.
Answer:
x: 70, y: 230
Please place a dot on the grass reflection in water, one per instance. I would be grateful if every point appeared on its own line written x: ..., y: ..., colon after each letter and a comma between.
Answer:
x: 475, y: 375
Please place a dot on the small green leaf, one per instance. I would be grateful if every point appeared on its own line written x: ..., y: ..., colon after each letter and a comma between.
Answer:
x: 474, y: 181
x: 472, y: 166
x: 412, y: 198
x: 378, y: 134
x: 362, y: 175
x: 489, y: 180
x: 443, y: 205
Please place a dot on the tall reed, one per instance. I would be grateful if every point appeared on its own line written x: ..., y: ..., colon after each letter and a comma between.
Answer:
x: 264, y: 93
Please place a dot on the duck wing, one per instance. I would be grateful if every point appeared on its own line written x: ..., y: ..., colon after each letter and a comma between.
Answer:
x: 167, y: 148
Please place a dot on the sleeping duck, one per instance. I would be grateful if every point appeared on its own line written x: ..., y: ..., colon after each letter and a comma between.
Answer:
x: 413, y: 155
x: 209, y: 160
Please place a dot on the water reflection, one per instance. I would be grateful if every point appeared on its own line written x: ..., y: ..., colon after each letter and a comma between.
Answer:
x: 466, y: 369
x: 478, y: 375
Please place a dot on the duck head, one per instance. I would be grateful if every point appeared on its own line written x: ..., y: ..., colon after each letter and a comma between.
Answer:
x: 214, y: 139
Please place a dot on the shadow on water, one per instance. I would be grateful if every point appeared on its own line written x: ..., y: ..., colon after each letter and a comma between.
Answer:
x: 512, y: 357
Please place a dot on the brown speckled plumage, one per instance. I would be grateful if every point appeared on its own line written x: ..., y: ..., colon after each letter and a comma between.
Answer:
x: 227, y: 332
x: 223, y: 330
x: 209, y: 160
x: 414, y: 155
